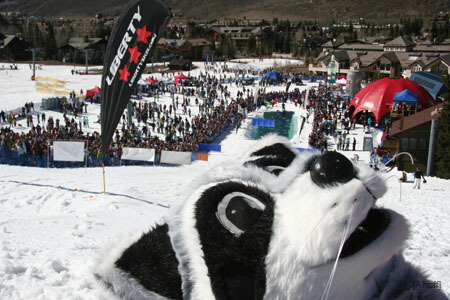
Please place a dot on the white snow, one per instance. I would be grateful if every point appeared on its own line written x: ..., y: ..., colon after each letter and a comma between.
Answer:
x: 55, y: 222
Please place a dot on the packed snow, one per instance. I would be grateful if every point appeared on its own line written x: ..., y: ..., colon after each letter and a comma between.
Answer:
x: 54, y: 223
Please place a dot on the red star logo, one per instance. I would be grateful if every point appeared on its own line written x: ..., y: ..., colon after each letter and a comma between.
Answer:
x: 134, y: 54
x: 124, y: 74
x: 143, y: 34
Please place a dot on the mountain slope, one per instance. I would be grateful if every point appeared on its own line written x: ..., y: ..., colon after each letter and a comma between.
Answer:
x: 207, y: 9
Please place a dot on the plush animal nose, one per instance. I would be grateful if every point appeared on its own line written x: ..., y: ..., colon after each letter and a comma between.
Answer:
x: 331, y: 169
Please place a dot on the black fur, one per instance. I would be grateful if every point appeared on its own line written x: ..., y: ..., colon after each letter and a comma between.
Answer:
x: 152, y: 262
x: 278, y: 149
x: 236, y: 265
x: 274, y: 155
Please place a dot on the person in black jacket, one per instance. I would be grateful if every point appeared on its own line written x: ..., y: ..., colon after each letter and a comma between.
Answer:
x: 417, y: 176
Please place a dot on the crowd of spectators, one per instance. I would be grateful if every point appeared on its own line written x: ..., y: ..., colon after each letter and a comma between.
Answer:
x: 328, y: 108
x: 172, y: 126
x: 156, y: 126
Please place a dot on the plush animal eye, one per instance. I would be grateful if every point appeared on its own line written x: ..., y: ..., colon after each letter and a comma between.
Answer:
x: 273, y: 165
x: 274, y: 169
x: 273, y: 158
x: 331, y: 168
x: 237, y: 212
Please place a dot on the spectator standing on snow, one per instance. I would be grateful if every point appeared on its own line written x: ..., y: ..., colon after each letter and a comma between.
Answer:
x: 418, y: 175
x: 238, y: 124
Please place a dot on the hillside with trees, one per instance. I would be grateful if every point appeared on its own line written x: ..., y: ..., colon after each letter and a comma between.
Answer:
x: 322, y: 10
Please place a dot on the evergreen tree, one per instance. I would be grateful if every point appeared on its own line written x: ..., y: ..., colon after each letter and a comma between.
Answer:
x: 50, y: 48
x: 442, y: 159
x: 434, y: 31
x: 287, y: 43
x: 296, y: 52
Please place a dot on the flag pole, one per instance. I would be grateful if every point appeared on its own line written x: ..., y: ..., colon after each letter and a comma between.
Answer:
x: 104, y: 183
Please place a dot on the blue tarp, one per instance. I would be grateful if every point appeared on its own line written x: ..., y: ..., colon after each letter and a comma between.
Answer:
x: 263, y: 122
x: 272, y: 75
x: 209, y: 147
x: 430, y: 81
x: 406, y: 96
x: 306, y: 149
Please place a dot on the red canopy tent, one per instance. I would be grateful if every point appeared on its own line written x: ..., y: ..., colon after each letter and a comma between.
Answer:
x: 181, y: 76
x: 93, y: 92
x: 151, y: 80
x: 378, y: 96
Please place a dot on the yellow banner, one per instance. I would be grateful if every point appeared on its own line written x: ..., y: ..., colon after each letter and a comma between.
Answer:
x: 50, y: 85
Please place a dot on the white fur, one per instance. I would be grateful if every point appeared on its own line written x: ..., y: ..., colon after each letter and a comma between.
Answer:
x: 121, y: 284
x: 308, y: 226
x: 187, y: 246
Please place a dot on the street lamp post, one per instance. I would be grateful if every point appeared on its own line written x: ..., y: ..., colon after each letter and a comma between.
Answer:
x: 86, y: 58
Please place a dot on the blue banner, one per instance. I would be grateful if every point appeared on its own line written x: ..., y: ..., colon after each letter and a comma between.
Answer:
x: 209, y: 147
x: 263, y: 122
x: 307, y: 149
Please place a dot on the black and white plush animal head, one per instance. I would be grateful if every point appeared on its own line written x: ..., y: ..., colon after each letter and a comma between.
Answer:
x: 267, y: 226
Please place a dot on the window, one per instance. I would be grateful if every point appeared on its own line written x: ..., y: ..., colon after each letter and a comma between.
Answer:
x: 422, y: 144
x: 385, y: 67
x: 405, y: 142
x: 412, y: 143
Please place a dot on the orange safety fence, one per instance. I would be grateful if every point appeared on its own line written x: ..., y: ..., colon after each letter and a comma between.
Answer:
x: 202, y: 156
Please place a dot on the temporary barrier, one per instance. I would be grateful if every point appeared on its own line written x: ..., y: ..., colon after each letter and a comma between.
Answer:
x: 138, y: 154
x: 68, y: 151
x: 306, y: 149
x: 175, y: 157
x: 11, y: 157
x: 209, y: 147
x: 202, y: 156
x: 263, y: 122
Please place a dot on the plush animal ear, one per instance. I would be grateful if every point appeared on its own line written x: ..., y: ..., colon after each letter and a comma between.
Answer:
x: 273, y: 158
x: 238, y: 211
x: 234, y: 221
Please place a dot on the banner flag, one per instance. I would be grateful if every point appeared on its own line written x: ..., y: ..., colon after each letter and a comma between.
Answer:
x: 209, y: 147
x: 306, y: 149
x: 202, y: 156
x: 133, y: 38
x: 138, y: 154
x: 288, y: 85
x: 256, y: 96
x: 68, y: 151
x: 263, y: 122
x: 175, y: 157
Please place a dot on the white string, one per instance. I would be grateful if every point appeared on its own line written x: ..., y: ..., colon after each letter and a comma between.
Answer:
x: 312, y: 231
x: 400, y: 185
x: 341, y: 246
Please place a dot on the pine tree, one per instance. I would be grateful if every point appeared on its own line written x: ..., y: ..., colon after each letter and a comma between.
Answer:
x: 287, y: 43
x: 442, y: 159
x: 50, y: 48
